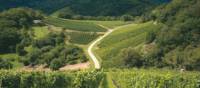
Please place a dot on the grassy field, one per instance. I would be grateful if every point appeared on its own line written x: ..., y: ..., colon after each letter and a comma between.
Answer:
x: 129, y: 36
x: 40, y: 32
x: 81, y: 37
x: 75, y: 25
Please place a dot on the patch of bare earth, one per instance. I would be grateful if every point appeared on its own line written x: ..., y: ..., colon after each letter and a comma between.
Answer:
x: 42, y: 68
x: 79, y: 66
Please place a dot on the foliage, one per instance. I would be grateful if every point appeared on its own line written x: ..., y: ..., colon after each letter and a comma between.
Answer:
x: 47, y: 6
x: 5, y: 64
x: 126, y: 18
x: 8, y: 39
x: 56, y: 64
x: 131, y: 58
x: 109, y: 7
x: 12, y: 24
x: 23, y: 17
x: 181, y: 30
x: 55, y: 57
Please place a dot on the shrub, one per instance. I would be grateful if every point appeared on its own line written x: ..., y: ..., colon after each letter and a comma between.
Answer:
x: 131, y: 58
x: 5, y: 64
x: 20, y: 50
x: 56, y: 64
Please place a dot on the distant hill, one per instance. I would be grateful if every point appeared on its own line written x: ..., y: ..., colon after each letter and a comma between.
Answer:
x: 47, y: 6
x: 87, y: 7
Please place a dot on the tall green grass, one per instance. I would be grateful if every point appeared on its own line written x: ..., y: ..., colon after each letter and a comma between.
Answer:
x: 75, y: 25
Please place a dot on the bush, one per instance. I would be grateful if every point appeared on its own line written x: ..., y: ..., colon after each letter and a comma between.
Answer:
x: 9, y: 37
x: 5, y: 64
x: 151, y: 36
x: 34, y: 57
x: 131, y: 58
x: 56, y: 64
x: 20, y: 50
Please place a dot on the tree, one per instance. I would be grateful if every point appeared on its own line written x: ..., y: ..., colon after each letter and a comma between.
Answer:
x: 9, y: 37
x: 20, y: 50
x: 23, y: 17
x: 126, y: 18
x: 131, y: 58
x: 151, y: 36
x: 33, y: 57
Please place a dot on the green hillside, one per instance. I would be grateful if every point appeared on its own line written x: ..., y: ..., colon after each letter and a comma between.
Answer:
x: 178, y: 42
x: 133, y: 35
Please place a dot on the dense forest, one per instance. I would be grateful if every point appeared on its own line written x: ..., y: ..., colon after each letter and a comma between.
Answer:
x: 47, y: 6
x: 17, y: 34
x: 177, y: 43
x: 87, y: 7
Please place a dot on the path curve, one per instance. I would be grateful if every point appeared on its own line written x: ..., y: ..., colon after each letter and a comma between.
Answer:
x: 89, y: 50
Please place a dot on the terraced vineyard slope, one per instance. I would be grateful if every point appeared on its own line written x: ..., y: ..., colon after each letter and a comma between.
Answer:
x: 75, y: 25
x: 132, y: 35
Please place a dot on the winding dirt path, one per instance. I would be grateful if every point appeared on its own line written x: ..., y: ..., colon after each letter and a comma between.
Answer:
x: 89, y: 50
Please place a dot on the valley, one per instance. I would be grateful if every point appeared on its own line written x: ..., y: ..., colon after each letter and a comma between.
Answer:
x: 99, y: 44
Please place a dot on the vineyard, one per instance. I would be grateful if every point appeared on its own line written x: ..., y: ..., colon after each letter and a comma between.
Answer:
x: 129, y: 36
x: 109, y: 24
x: 75, y: 25
x: 113, y: 78
x: 155, y: 79
x: 82, y: 79
x: 81, y: 37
